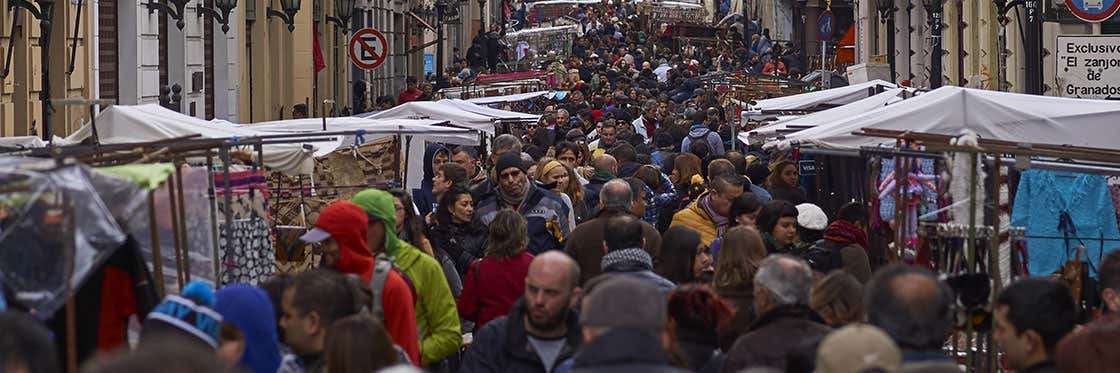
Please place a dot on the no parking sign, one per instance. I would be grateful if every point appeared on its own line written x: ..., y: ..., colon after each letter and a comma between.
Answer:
x: 368, y: 48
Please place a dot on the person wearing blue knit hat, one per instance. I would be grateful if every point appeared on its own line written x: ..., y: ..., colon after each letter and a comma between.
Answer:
x: 255, y: 346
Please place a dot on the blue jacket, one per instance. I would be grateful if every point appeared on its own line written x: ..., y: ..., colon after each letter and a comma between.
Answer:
x: 700, y: 132
x: 546, y: 213
x: 1042, y: 198
x: 249, y: 309
x: 424, y: 199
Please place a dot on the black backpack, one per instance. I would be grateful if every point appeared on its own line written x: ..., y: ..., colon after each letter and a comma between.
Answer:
x: 824, y: 256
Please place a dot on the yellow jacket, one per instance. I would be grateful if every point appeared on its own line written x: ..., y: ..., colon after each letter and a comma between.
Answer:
x: 695, y: 218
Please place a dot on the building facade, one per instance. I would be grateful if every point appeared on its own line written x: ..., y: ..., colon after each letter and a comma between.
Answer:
x: 129, y: 53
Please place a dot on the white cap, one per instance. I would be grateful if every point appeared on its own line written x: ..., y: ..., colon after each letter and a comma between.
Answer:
x: 809, y: 216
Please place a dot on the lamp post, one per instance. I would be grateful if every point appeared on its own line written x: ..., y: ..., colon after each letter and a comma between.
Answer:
x: 934, y: 13
x: 441, y: 12
x: 44, y: 13
x: 175, y: 10
x: 290, y: 8
x: 343, y: 10
x: 886, y: 18
x: 221, y: 14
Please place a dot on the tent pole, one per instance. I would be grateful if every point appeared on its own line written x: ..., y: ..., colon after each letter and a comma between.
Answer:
x: 213, y: 210
x: 185, y: 246
x: 157, y: 258
x: 223, y: 152
x: 175, y: 231
x: 71, y: 329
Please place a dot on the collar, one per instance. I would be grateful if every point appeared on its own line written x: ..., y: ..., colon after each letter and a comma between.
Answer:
x: 626, y: 260
x: 788, y: 311
x: 517, y: 338
x: 1042, y: 366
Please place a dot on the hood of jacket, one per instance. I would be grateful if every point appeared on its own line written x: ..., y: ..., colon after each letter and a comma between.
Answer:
x: 347, y: 223
x: 429, y: 155
x: 249, y: 309
x: 379, y: 203
x: 698, y: 130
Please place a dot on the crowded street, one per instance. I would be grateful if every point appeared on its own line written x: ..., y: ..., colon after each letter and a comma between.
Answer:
x: 555, y: 186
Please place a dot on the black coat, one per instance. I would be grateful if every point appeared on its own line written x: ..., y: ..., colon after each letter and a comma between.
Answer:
x: 502, y: 346
x: 785, y: 337
x: 462, y: 243
x: 623, y: 350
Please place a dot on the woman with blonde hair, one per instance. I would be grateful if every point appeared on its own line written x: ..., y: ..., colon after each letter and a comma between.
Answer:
x: 838, y: 299
x: 562, y: 180
x: 739, y: 258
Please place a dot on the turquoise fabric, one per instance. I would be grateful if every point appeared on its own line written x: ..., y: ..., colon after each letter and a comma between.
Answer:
x: 1043, y: 196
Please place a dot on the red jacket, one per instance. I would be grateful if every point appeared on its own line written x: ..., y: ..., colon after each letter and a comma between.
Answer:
x: 492, y: 292
x: 347, y: 223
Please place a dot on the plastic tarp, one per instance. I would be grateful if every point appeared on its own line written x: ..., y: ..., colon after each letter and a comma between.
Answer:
x: 50, y: 213
x: 823, y: 117
x: 151, y: 122
x: 507, y: 98
x: 491, y: 112
x: 990, y: 114
x: 835, y: 96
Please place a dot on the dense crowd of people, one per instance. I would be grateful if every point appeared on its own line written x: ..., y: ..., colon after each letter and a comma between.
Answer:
x: 627, y: 230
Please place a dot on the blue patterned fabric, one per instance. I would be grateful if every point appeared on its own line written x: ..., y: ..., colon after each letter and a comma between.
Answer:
x: 1041, y: 201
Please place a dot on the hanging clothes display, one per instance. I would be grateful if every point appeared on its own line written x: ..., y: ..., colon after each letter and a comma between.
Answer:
x: 1061, y: 211
x: 246, y: 252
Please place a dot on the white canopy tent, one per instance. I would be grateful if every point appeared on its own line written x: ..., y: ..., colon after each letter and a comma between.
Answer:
x: 507, y: 98
x: 990, y: 114
x: 491, y: 112
x: 438, y: 111
x: 835, y: 96
x: 821, y: 118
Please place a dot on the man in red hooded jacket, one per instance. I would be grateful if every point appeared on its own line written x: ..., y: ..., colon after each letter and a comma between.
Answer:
x: 341, y: 234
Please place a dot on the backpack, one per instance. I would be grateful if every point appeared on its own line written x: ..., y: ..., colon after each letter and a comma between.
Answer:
x: 381, y: 268
x: 824, y: 256
x: 697, y: 138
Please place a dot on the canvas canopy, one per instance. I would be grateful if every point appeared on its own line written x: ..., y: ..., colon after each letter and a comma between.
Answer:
x: 990, y: 114
x: 820, y: 118
x: 426, y: 129
x: 436, y: 111
x: 835, y: 96
x: 491, y: 112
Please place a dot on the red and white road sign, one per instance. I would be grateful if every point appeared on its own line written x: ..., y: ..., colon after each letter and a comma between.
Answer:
x: 368, y: 48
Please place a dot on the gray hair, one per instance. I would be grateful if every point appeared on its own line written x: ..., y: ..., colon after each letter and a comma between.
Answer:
x: 787, y: 278
x: 651, y: 104
x: 616, y: 193
x: 506, y: 143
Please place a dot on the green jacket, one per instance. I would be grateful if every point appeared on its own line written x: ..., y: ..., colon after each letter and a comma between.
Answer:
x: 436, y: 314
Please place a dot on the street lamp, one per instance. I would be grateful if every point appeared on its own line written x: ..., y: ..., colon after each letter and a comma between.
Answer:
x: 288, y: 15
x: 934, y: 13
x: 44, y: 13
x: 175, y: 13
x: 343, y: 9
x: 221, y: 14
x: 886, y: 17
x: 442, y: 10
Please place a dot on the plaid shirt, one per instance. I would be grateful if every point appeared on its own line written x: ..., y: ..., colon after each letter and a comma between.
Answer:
x: 655, y: 201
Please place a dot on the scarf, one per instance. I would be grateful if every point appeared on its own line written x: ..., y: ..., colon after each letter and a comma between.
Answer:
x: 513, y: 201
x: 845, y: 232
x: 721, y: 222
x: 627, y: 260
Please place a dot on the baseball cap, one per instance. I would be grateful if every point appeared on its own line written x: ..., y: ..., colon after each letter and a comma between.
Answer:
x: 315, y: 235
x: 858, y: 348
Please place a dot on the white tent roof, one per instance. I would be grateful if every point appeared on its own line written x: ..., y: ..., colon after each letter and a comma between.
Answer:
x: 488, y: 111
x: 376, y: 129
x: 506, y: 98
x: 990, y: 114
x: 436, y: 111
x: 835, y: 96
x: 824, y: 117
x: 151, y: 122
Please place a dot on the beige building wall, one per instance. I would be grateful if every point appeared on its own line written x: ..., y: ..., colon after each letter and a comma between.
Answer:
x: 20, y: 105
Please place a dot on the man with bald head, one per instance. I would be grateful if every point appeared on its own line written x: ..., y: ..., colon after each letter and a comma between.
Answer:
x: 606, y: 167
x: 911, y: 306
x: 585, y: 244
x: 541, y: 330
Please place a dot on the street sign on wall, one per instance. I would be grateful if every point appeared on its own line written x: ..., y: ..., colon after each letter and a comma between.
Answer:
x: 1093, y: 10
x: 1089, y: 66
x: 368, y: 48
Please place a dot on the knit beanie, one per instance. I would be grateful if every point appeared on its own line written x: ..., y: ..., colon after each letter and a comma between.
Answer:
x: 508, y: 160
x: 188, y: 314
